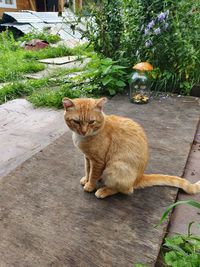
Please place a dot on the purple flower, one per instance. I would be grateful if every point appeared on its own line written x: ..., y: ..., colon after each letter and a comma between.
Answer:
x: 157, y: 31
x: 146, y: 31
x: 148, y: 43
x: 161, y: 17
x: 151, y: 24
x: 165, y: 26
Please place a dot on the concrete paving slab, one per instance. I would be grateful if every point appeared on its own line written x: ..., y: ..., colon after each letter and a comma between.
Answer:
x: 185, y: 214
x: 48, y: 220
x: 24, y: 131
x: 51, y: 69
x: 59, y: 60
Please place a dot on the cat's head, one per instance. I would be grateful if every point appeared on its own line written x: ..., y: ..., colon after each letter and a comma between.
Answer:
x: 84, y: 116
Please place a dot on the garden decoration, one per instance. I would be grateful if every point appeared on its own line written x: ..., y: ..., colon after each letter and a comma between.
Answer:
x: 140, y: 83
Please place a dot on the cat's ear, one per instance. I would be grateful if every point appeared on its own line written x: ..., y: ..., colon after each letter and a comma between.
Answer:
x: 67, y: 103
x: 100, y: 102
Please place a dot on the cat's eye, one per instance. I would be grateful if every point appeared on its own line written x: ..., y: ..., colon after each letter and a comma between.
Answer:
x: 76, y: 121
x: 91, y: 122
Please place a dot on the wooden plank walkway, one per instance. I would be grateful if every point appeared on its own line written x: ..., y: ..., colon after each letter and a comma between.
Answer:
x: 46, y: 219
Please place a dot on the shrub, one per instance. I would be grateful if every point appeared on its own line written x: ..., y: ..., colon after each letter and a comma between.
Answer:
x: 171, y: 43
x: 102, y: 76
x: 163, y: 32
x: 105, y: 27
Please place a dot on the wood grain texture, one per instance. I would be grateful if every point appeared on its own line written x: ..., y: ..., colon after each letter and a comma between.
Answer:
x: 21, y: 5
x: 46, y: 219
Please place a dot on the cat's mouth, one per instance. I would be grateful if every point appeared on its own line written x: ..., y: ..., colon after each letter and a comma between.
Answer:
x: 84, y: 134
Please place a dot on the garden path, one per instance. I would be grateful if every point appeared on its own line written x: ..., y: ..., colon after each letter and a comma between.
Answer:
x: 47, y: 220
x: 26, y: 130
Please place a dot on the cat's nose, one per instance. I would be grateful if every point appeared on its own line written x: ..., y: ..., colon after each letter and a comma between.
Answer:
x: 83, y: 132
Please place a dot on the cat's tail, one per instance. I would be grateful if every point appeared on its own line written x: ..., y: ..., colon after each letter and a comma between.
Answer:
x: 161, y: 179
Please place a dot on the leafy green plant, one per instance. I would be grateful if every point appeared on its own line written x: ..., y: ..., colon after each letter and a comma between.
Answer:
x: 103, y: 76
x: 44, y: 36
x: 133, y: 16
x: 165, y: 33
x: 182, y: 250
x: 100, y: 76
x: 170, y: 41
x: 105, y: 27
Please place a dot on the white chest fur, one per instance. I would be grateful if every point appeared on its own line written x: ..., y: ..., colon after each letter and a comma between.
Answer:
x: 77, y: 139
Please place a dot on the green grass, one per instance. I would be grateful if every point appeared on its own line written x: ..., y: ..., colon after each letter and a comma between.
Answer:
x: 13, y: 66
x: 43, y: 92
x: 53, y: 97
x: 49, y: 52
x: 21, y: 89
x: 16, y: 61
x: 45, y: 36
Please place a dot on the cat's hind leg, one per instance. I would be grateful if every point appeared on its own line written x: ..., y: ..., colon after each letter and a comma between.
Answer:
x: 117, y: 179
x: 108, y: 191
x: 105, y: 192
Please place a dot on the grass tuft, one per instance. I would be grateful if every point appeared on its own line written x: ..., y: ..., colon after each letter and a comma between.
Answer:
x: 21, y: 89
x: 44, y: 36
x: 53, y: 97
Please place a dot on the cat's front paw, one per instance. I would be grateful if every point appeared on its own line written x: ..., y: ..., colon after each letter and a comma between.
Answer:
x: 83, y: 180
x: 88, y: 187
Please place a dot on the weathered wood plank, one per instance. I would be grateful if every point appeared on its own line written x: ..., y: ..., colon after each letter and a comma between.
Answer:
x: 46, y: 219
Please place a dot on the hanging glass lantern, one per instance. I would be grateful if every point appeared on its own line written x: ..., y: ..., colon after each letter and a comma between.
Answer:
x: 140, y: 83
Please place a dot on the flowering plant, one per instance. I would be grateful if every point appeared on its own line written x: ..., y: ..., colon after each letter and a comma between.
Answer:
x: 155, y: 27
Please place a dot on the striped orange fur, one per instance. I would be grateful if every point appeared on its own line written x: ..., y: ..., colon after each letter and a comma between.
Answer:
x: 115, y: 150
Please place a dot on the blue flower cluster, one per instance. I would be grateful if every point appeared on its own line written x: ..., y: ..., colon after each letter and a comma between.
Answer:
x: 155, y: 27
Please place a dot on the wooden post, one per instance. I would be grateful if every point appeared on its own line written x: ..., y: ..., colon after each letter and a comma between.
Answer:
x: 60, y: 7
x: 32, y: 5
x: 78, y: 5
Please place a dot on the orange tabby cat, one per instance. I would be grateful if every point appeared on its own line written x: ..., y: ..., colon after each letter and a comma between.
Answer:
x: 115, y: 149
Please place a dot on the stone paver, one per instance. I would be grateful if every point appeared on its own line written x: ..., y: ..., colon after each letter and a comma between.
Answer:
x: 50, y: 68
x: 25, y: 130
x: 185, y: 214
x: 59, y: 60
